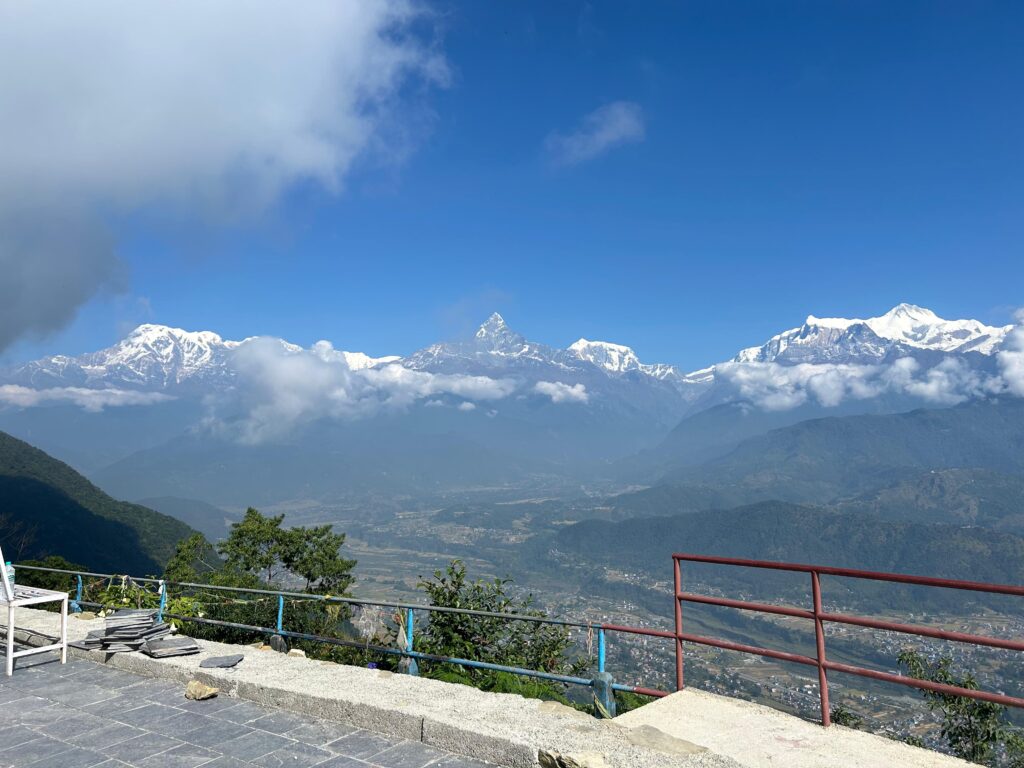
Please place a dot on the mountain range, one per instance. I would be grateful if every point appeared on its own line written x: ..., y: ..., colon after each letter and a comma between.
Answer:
x: 172, y: 413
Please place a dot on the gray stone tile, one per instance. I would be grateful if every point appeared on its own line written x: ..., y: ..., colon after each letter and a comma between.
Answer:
x: 226, y: 761
x: 344, y: 762
x: 253, y: 745
x: 320, y: 733
x: 11, y: 694
x: 40, y: 716
x: 30, y: 751
x: 11, y: 709
x: 119, y: 704
x: 99, y: 738
x: 409, y: 754
x: 280, y: 722
x: 16, y: 734
x: 140, y: 747
x: 362, y: 744
x: 215, y: 732
x: 76, y: 757
x: 97, y: 675
x: 209, y: 706
x: 243, y: 713
x: 64, y: 728
x: 457, y: 761
x: 179, y: 724
x: 296, y: 755
x: 82, y: 695
x: 146, y: 716
x: 184, y: 756
x: 113, y: 678
x: 113, y: 764
x: 157, y: 690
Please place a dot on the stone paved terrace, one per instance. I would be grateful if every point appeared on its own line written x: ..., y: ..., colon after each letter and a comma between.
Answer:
x: 299, y: 712
x: 85, y: 714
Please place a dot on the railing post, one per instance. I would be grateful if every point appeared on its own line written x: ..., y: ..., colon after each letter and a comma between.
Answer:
x: 679, y: 623
x: 280, y: 612
x: 819, y: 637
x: 604, y: 694
x: 75, y: 604
x: 410, y: 619
x: 600, y: 649
x: 163, y: 601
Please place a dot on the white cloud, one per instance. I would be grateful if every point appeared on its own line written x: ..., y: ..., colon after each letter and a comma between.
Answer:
x: 607, y: 127
x: 199, y: 110
x: 279, y: 387
x: 777, y: 387
x: 560, y: 392
x: 88, y: 399
x: 1011, y: 358
x: 467, y: 406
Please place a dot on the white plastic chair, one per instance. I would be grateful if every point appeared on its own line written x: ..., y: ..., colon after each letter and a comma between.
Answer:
x: 16, y: 596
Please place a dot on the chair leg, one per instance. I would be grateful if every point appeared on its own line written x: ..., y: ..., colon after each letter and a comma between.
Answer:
x: 64, y: 631
x: 10, y: 639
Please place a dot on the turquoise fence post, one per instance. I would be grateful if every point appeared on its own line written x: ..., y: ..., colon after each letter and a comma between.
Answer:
x: 604, y: 694
x: 163, y: 601
x: 600, y: 650
x: 410, y: 619
x: 280, y: 612
x: 75, y: 604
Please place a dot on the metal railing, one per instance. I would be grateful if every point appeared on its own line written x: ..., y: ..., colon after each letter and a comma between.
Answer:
x: 603, y: 684
x: 819, y: 616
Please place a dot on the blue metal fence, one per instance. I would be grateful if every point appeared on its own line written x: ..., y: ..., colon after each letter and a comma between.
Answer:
x: 602, y: 684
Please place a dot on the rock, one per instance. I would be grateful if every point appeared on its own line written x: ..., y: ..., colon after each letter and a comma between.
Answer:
x: 221, y: 662
x: 654, y: 738
x: 552, y: 759
x: 85, y: 615
x: 297, y: 652
x: 278, y: 644
x: 198, y: 691
x: 258, y: 645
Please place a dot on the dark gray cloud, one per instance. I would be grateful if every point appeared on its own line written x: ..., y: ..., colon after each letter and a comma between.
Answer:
x: 204, y: 110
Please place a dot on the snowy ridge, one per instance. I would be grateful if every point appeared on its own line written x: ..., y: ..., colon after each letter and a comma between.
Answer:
x: 618, y: 358
x: 157, y: 358
x: 836, y: 339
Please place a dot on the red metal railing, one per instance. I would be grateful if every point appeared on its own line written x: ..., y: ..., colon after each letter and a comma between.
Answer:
x: 819, y: 616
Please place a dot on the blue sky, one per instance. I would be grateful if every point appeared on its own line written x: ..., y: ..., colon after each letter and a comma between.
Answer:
x: 787, y: 158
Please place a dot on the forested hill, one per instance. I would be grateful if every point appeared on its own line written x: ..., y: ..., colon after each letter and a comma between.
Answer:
x: 47, y: 508
x: 820, y: 460
x: 793, y: 533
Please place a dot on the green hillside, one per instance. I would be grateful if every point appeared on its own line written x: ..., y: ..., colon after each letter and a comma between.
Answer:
x: 793, y: 533
x: 47, y: 508
x: 960, y: 496
x: 821, y: 460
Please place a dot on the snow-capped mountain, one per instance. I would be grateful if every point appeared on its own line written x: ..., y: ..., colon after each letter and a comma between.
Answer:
x: 160, y: 358
x: 150, y: 357
x: 497, y: 350
x: 899, y: 332
x: 156, y: 358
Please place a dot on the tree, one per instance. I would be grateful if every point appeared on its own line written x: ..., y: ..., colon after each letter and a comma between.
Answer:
x: 975, y: 730
x: 257, y: 545
x: 262, y: 547
x: 494, y: 640
x: 313, y: 554
x: 193, y: 559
